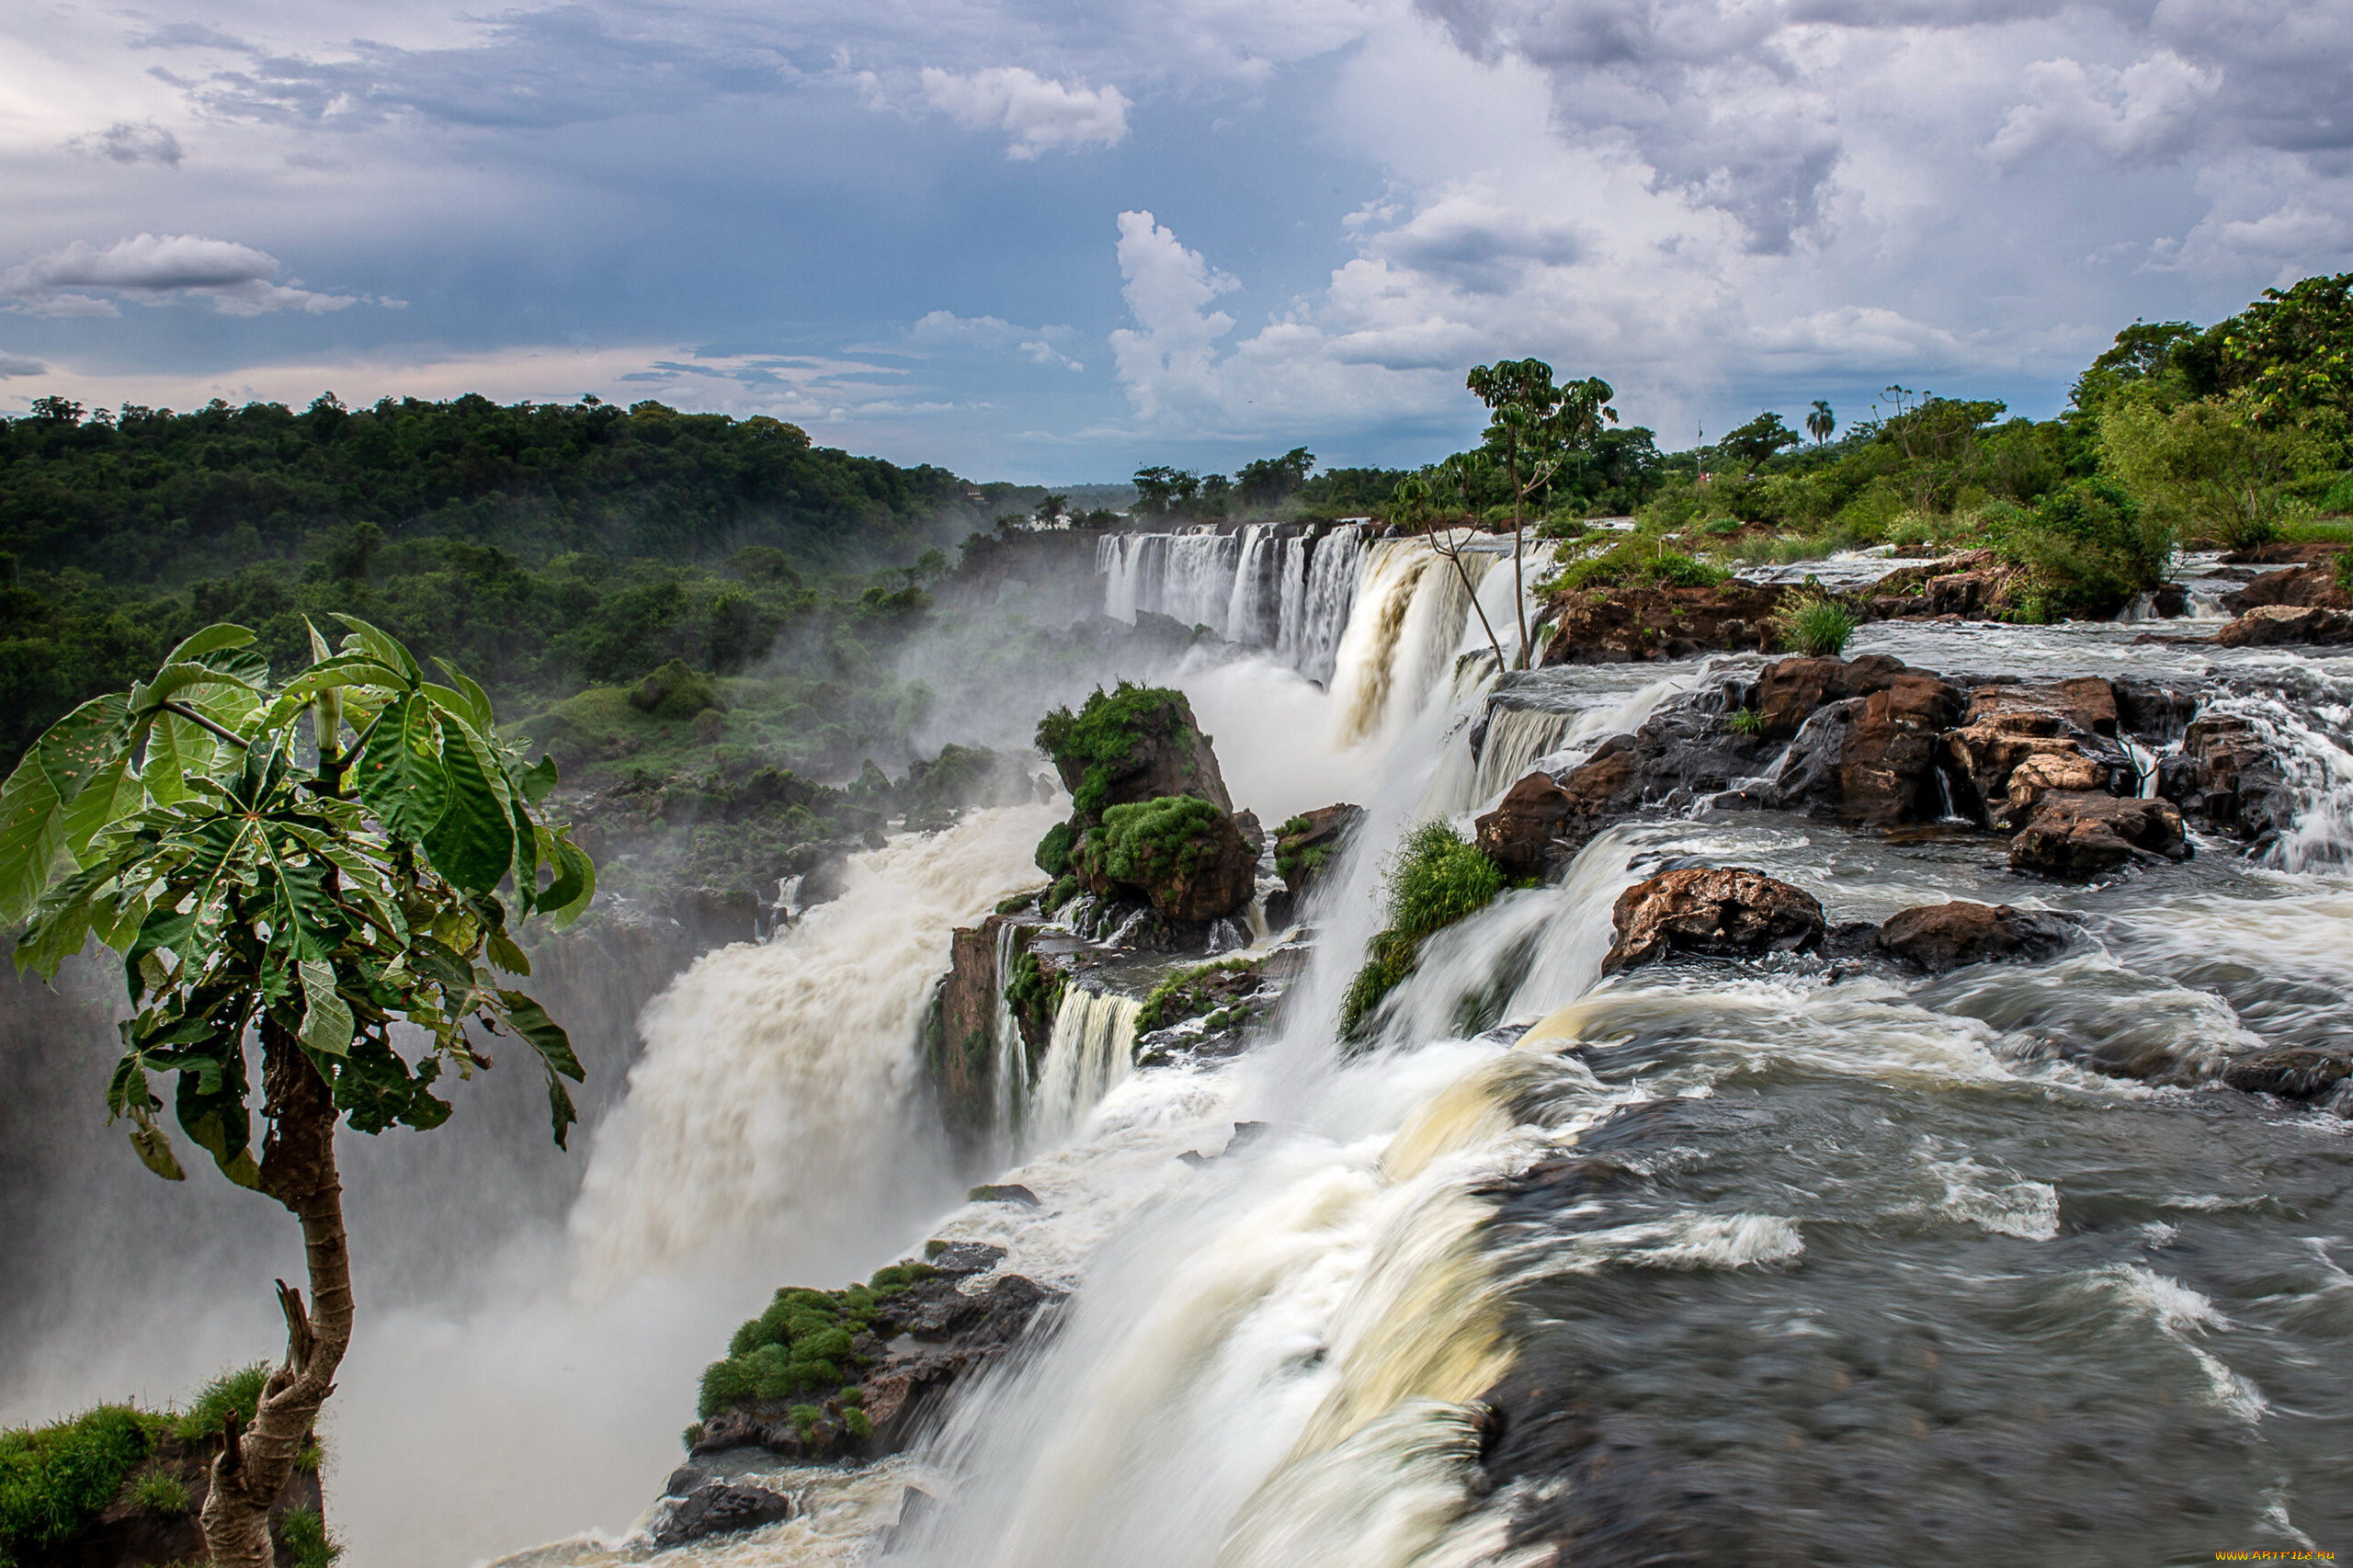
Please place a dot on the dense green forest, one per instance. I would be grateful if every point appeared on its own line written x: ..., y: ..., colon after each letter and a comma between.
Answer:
x: 542, y: 548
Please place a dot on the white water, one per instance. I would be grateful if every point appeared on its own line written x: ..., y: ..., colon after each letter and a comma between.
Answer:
x: 1288, y: 595
x: 773, y: 1110
x: 1093, y: 1038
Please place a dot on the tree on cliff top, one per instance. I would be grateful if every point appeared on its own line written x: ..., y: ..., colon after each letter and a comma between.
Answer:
x: 310, y: 897
x: 1534, y: 426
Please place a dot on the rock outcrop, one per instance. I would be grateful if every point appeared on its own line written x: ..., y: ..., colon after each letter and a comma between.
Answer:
x: 2271, y: 626
x: 1186, y: 858
x: 1938, y: 937
x: 714, y: 1507
x: 1971, y: 585
x: 1629, y: 625
x: 2079, y: 835
x: 2291, y: 1072
x: 1132, y: 745
x: 2226, y: 778
x: 897, y: 1355
x: 1308, y: 848
x: 2313, y: 586
x: 1730, y: 911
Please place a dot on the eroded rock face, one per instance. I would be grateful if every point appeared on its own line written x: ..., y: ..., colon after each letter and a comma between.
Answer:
x: 1729, y: 911
x: 2019, y: 744
x: 1871, y: 756
x: 1938, y: 936
x: 1167, y: 755
x: 2270, y: 626
x: 1971, y: 585
x: 1307, y: 846
x: 1197, y: 865
x: 2077, y: 836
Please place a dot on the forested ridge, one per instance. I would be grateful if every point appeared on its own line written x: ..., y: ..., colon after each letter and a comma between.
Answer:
x: 543, y: 547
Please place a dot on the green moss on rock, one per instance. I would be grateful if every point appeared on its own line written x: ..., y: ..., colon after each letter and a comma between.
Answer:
x: 1436, y: 879
x: 804, y: 1343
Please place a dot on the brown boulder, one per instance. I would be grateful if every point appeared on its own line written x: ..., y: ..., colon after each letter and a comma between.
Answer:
x: 1887, y: 773
x: 1526, y: 833
x: 2271, y: 626
x: 1723, y: 912
x: 1190, y: 861
x: 2084, y: 834
x: 2312, y: 587
x: 2008, y: 726
x: 1787, y: 690
x: 1160, y: 751
x: 1938, y: 936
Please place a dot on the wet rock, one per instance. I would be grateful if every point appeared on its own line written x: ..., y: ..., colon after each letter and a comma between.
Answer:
x: 1937, y: 937
x: 2075, y: 835
x: 1721, y: 912
x: 717, y: 1507
x: 717, y: 916
x: 2069, y: 724
x: 1789, y: 690
x: 1971, y: 585
x: 1308, y: 848
x: 2293, y: 1073
x: 1003, y: 1192
x: 684, y: 1480
x: 1528, y: 833
x: 1871, y: 756
x: 2151, y: 709
x: 2270, y: 626
x: 2224, y: 778
x: 2309, y: 587
x: 961, y: 1258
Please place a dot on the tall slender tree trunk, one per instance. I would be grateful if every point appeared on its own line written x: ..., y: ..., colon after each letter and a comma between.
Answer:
x: 1519, y: 577
x: 1471, y: 588
x: 298, y: 1169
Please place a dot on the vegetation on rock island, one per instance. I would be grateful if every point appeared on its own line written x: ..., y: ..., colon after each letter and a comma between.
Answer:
x: 329, y: 862
x: 803, y: 1343
x: 1437, y: 878
x: 1107, y: 737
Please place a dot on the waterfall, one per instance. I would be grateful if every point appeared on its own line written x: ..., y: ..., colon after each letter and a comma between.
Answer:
x: 773, y: 1108
x: 1011, y: 1068
x: 1255, y: 586
x: 1516, y: 738
x: 1402, y: 635
x: 1092, y: 1049
x: 2311, y: 739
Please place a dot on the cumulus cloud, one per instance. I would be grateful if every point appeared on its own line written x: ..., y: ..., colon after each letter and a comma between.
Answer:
x: 2149, y: 109
x: 946, y: 329
x: 1167, y: 361
x: 124, y: 142
x: 151, y: 269
x: 1038, y: 115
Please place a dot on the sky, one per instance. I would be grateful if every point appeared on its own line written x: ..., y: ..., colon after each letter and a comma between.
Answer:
x: 1044, y: 241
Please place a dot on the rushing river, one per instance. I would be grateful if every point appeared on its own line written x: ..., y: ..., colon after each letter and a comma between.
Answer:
x: 1761, y: 1263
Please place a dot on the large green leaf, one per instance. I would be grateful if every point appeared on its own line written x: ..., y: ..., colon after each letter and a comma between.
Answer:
x: 170, y: 682
x: 177, y: 752
x: 211, y: 1111
x: 337, y: 673
x: 531, y: 1020
x: 33, y: 828
x: 566, y: 899
x: 211, y: 641
x: 327, y: 1017
x: 400, y: 775
x: 112, y: 793
x: 377, y: 645
x: 473, y: 843
x: 475, y: 702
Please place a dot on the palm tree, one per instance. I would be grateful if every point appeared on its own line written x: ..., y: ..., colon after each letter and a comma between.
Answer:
x: 1821, y: 422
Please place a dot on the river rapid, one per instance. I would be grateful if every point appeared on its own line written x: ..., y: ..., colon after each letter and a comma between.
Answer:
x: 1770, y: 1263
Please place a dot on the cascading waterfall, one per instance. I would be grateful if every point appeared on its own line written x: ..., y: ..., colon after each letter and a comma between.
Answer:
x: 1255, y: 586
x: 1091, y: 1050
x: 773, y: 1107
x: 1516, y: 738
x: 2312, y: 738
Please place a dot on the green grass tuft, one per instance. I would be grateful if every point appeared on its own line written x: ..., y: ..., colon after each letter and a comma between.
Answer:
x: 1745, y: 722
x: 236, y: 1392
x: 55, y: 1479
x: 1816, y: 625
x: 160, y: 1492
x: 305, y: 1535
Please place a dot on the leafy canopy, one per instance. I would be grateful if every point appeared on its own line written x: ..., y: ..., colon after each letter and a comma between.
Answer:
x: 328, y: 890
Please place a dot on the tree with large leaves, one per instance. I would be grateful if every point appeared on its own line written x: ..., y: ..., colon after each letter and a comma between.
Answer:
x: 290, y: 869
x: 1533, y: 426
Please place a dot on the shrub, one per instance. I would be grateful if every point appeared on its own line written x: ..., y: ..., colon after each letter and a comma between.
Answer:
x: 1745, y: 722
x: 1054, y: 850
x: 2345, y: 570
x: 1437, y: 878
x: 803, y: 1343
x: 2090, y: 548
x: 1061, y: 893
x: 1145, y: 842
x: 857, y: 1423
x: 674, y: 691
x: 160, y: 1492
x: 1181, y: 995
x: 2207, y: 468
x: 305, y: 1535
x: 1815, y: 624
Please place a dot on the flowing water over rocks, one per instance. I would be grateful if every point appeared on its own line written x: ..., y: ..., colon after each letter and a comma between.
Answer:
x: 1881, y: 1252
x: 1969, y: 1215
